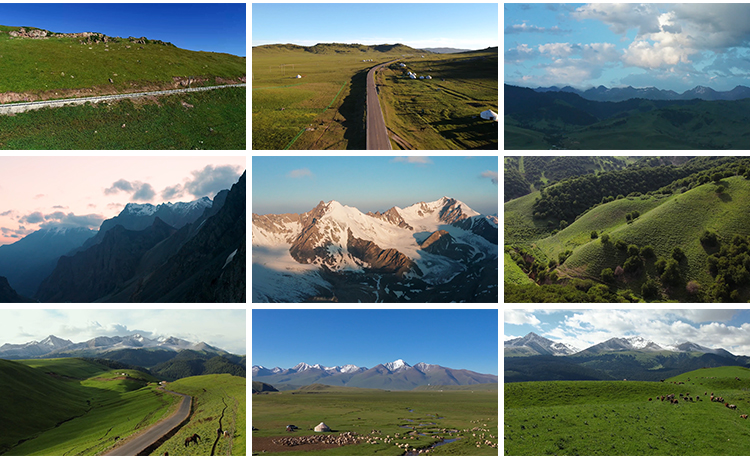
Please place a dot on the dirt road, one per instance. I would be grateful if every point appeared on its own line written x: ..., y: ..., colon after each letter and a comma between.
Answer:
x: 377, y: 135
x: 20, y: 107
x: 143, y: 440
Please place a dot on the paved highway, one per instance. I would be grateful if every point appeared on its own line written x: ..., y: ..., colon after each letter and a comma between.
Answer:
x: 377, y: 134
x: 132, y: 447
x: 6, y: 109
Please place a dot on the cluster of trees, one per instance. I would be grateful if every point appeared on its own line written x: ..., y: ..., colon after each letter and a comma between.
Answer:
x: 730, y: 267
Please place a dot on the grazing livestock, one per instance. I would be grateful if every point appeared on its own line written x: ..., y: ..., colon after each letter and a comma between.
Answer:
x: 346, y: 438
x: 649, y: 399
x: 192, y: 439
x: 743, y: 416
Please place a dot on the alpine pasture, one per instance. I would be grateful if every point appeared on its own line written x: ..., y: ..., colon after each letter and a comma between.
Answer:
x: 386, y: 423
x: 629, y: 418
x: 70, y: 406
x: 325, y: 107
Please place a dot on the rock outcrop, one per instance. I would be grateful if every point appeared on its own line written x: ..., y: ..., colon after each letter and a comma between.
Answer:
x: 379, y: 260
x: 391, y: 216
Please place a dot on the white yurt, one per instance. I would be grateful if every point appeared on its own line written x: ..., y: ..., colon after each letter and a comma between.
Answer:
x: 489, y: 115
x: 298, y: 76
x: 322, y: 427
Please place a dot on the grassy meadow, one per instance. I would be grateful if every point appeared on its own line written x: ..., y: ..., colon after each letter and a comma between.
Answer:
x: 207, y: 120
x: 58, y: 407
x: 215, y: 398
x: 325, y: 109
x: 36, y: 66
x: 442, y: 113
x: 378, y: 414
x: 616, y: 418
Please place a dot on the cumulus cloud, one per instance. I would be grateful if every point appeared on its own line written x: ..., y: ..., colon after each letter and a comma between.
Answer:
x: 525, y: 28
x: 520, y: 317
x: 212, y: 179
x: 139, y: 191
x: 92, y: 221
x: 15, y: 233
x: 172, y: 192
x: 143, y: 192
x: 413, y: 159
x: 7, y: 213
x: 120, y: 185
x: 300, y: 173
x: 520, y: 53
x: 492, y: 175
x: 34, y: 217
x: 621, y: 17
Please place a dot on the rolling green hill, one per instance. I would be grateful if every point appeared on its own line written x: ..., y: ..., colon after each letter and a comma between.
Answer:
x: 338, y: 48
x: 625, y: 418
x: 62, y: 63
x: 195, y: 363
x: 70, y: 406
x: 471, y: 387
x: 262, y: 387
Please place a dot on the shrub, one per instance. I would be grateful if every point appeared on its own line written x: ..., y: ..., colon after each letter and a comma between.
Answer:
x: 648, y: 252
x: 719, y: 189
x: 633, y: 250
x: 605, y: 239
x: 660, y: 265
x: 678, y: 254
x: 635, y: 214
x: 649, y: 289
x: 693, y: 287
x: 621, y: 245
x: 563, y: 224
x: 717, y: 177
x: 562, y: 256
x: 632, y: 264
x: 671, y: 274
x: 594, y: 234
x: 709, y: 238
x: 628, y: 217
x: 608, y: 275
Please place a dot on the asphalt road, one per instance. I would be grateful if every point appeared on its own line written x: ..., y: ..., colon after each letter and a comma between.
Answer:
x: 377, y: 134
x: 155, y: 432
x: 26, y: 106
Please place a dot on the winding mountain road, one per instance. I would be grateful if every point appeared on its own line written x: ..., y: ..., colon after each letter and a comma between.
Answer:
x: 134, y: 446
x: 377, y: 135
x: 6, y: 109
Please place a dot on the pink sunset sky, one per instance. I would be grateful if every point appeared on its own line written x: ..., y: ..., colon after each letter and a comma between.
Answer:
x: 38, y: 192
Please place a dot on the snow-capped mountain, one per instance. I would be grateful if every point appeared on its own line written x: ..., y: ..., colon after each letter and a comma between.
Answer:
x: 533, y: 344
x: 140, y: 216
x: 53, y: 346
x: 396, y: 375
x: 392, y: 253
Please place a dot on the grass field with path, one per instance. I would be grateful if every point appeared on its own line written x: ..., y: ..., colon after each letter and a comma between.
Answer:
x: 415, y: 416
x: 616, y: 418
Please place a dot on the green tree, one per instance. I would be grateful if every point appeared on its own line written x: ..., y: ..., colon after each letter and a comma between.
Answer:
x: 719, y: 189
x: 607, y: 275
x: 594, y: 234
x: 648, y: 252
x: 621, y: 245
x: 633, y: 250
x: 671, y: 274
x: 632, y: 264
x: 605, y: 238
x: 678, y: 254
x: 650, y: 289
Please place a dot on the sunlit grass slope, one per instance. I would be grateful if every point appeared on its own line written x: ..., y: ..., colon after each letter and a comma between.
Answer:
x: 616, y: 418
x: 31, y: 65
x: 69, y: 406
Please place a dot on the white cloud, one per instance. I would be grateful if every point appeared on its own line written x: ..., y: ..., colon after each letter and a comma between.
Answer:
x: 413, y: 159
x: 621, y: 17
x: 492, y: 175
x: 525, y: 28
x: 520, y: 317
x: 299, y: 173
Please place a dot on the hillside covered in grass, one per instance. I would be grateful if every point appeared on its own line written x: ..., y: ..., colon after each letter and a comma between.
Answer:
x: 38, y: 67
x: 686, y: 240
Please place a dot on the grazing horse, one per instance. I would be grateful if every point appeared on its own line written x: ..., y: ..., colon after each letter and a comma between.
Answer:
x: 193, y: 438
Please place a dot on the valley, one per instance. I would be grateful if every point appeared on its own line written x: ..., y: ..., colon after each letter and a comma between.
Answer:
x: 654, y: 229
x: 389, y: 423
x: 628, y: 120
x: 325, y: 107
x: 628, y: 418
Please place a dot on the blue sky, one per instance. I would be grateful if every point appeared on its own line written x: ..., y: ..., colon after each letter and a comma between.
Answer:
x: 419, y: 25
x: 222, y: 328
x: 289, y: 184
x: 458, y: 339
x: 216, y: 27
x: 715, y: 328
x: 668, y: 46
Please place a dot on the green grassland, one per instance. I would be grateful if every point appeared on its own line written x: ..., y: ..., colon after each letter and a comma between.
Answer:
x: 616, y: 418
x: 513, y: 273
x: 519, y: 224
x: 68, y: 406
x: 197, y: 120
x: 215, y: 398
x: 442, y: 113
x: 35, y: 66
x: 367, y: 410
x: 329, y: 98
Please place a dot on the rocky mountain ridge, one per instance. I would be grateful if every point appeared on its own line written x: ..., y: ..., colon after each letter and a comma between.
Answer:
x: 426, y: 244
x: 604, y: 94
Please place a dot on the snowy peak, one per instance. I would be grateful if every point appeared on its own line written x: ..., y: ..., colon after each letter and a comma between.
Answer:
x: 139, y: 210
x: 632, y: 343
x: 397, y: 365
x: 534, y: 344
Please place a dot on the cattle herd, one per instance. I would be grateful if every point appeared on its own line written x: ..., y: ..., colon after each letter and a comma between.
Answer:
x: 686, y: 397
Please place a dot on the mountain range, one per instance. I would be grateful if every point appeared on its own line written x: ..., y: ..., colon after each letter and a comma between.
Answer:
x: 535, y: 358
x: 337, y: 48
x: 396, y: 375
x: 604, y: 94
x: 173, y: 252
x: 52, y: 346
x: 430, y: 251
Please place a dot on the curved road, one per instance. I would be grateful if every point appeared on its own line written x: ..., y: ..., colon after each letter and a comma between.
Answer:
x: 155, y: 432
x: 26, y: 106
x: 377, y: 135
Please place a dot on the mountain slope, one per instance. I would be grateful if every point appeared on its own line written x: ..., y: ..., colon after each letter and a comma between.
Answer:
x: 27, y: 262
x: 533, y: 344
